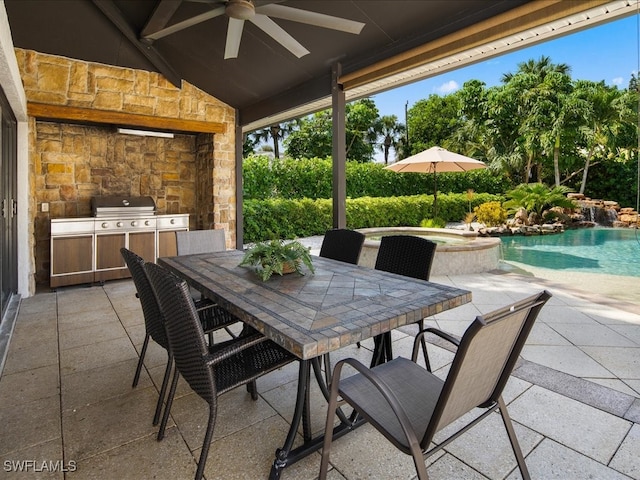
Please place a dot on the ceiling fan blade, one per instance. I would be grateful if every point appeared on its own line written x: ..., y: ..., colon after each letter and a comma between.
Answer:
x: 234, y: 35
x: 311, y: 18
x: 189, y: 22
x: 276, y: 32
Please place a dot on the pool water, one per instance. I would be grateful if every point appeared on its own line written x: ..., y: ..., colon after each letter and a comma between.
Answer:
x: 609, y: 251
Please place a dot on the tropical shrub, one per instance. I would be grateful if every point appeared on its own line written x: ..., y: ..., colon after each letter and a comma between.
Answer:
x: 491, y: 214
x: 433, y: 223
x: 537, y: 198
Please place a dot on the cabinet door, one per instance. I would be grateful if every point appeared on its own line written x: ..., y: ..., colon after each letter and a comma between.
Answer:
x: 167, y: 246
x: 71, y: 254
x: 143, y: 244
x: 71, y: 260
x: 108, y: 251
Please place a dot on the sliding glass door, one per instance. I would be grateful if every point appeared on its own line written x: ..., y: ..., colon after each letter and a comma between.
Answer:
x: 8, y: 195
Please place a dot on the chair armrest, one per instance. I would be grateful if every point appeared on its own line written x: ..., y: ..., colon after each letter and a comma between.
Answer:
x: 204, y: 304
x: 447, y: 336
x: 232, y: 347
x: 212, y: 316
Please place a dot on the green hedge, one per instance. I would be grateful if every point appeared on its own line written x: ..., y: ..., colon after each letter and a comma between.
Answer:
x: 311, y: 178
x: 280, y: 218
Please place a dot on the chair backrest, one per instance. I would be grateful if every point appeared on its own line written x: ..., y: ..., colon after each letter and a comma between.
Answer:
x: 406, y: 255
x: 342, y: 244
x: 200, y: 241
x: 485, y: 358
x: 153, y: 321
x: 184, y: 330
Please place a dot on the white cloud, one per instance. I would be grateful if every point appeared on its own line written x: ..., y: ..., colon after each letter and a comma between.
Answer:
x: 617, y: 81
x: 448, y: 87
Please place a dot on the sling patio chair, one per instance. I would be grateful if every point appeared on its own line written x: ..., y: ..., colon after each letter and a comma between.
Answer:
x: 342, y: 244
x: 200, y: 241
x: 409, y: 256
x: 409, y: 405
x: 210, y: 370
x: 191, y: 242
x: 210, y: 315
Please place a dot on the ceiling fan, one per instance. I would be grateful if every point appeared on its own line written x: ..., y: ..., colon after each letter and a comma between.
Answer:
x: 258, y: 13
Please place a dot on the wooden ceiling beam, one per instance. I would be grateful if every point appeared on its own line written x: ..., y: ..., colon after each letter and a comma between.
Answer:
x: 160, y: 17
x: 106, y: 117
x: 111, y: 11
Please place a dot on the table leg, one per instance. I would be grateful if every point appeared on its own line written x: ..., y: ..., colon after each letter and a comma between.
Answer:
x: 382, y: 351
x: 287, y: 455
x: 282, y: 454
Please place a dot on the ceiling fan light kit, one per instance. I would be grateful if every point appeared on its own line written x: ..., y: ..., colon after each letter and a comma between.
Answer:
x: 240, y: 9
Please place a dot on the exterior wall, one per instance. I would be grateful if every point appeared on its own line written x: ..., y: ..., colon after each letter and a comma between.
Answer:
x: 69, y: 164
x: 12, y: 87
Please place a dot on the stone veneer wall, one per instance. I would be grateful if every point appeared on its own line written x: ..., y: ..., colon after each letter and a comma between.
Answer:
x: 71, y: 163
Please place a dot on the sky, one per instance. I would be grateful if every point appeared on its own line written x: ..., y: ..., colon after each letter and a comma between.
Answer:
x: 609, y: 52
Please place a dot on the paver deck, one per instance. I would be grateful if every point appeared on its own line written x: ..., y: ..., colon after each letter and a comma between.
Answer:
x: 66, y: 397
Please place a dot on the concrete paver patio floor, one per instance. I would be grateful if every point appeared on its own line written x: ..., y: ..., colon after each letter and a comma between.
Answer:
x: 66, y: 397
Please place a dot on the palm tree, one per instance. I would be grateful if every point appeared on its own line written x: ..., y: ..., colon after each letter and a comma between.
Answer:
x: 539, y: 68
x: 555, y: 108
x: 609, y: 110
x: 391, y: 132
x: 542, y: 89
x: 274, y: 133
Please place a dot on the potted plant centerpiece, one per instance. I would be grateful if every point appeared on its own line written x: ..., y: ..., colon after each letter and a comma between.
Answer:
x: 277, y: 256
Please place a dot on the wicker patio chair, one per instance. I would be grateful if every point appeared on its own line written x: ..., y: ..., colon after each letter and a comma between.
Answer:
x: 210, y: 315
x: 409, y: 405
x: 342, y: 244
x: 409, y: 256
x: 210, y: 370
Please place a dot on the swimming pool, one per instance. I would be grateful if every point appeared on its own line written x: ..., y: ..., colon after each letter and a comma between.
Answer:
x: 611, y: 251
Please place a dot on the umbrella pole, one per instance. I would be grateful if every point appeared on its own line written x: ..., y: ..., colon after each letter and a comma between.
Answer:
x: 435, y: 192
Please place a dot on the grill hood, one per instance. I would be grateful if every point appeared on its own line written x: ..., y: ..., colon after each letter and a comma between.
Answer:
x: 110, y: 206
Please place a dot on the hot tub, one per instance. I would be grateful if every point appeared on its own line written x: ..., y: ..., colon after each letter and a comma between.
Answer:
x: 458, y: 251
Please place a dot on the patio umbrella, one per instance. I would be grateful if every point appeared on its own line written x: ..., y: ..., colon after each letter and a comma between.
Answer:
x: 436, y: 160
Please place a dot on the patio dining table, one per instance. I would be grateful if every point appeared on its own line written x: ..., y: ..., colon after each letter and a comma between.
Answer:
x: 311, y: 315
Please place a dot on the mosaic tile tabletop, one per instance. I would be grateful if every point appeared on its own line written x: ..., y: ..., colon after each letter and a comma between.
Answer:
x: 313, y: 314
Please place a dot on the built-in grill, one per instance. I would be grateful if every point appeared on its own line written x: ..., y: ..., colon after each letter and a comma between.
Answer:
x: 112, y: 206
x: 123, y: 213
x: 85, y: 250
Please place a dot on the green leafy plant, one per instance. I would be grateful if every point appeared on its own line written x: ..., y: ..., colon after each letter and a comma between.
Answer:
x: 277, y: 256
x: 491, y: 214
x: 433, y: 223
x: 537, y: 198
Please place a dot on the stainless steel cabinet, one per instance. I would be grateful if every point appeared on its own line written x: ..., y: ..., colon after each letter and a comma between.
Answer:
x: 87, y: 250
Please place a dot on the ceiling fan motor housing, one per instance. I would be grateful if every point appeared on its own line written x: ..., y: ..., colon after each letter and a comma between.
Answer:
x: 240, y: 9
